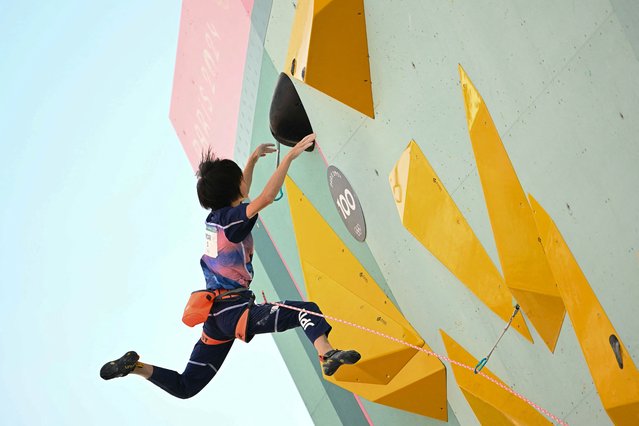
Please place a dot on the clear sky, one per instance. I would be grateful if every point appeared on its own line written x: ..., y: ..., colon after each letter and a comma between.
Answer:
x: 100, y: 228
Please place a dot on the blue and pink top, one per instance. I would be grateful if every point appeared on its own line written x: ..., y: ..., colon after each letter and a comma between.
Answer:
x: 227, y: 261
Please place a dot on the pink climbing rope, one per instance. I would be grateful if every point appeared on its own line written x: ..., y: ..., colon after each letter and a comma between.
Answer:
x: 321, y: 153
x: 426, y: 351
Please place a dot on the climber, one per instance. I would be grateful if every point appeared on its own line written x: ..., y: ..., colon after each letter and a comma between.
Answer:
x: 222, y: 187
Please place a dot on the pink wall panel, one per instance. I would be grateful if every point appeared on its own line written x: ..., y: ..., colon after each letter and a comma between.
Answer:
x: 209, y: 69
x: 248, y: 5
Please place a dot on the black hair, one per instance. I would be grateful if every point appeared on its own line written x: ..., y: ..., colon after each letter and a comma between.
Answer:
x: 218, y: 183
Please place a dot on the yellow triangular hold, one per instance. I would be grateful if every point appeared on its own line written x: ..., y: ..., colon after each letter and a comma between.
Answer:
x: 341, y: 286
x: 522, y: 258
x: 328, y: 50
x: 418, y: 388
x: 618, y: 388
x: 429, y: 213
x: 384, y: 360
x: 321, y: 247
x: 486, y: 413
x: 492, y: 405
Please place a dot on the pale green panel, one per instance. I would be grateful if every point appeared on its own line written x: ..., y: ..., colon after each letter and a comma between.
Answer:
x: 578, y: 155
x: 559, y: 79
x: 251, y: 80
x: 543, y: 75
x: 279, y: 31
x: 627, y: 12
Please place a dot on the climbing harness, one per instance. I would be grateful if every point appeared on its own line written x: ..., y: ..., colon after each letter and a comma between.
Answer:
x: 198, y: 309
x: 427, y: 352
x: 483, y: 362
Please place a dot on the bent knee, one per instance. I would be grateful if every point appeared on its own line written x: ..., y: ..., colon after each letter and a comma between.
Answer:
x: 312, y: 306
x: 186, y: 394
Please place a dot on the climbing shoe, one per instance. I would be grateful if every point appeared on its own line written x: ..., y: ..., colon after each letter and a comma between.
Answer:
x: 120, y: 367
x: 332, y: 360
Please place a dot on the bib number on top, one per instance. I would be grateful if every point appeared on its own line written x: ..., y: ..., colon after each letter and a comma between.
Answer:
x: 211, y: 241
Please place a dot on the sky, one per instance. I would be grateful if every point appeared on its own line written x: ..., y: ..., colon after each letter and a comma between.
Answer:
x: 100, y: 228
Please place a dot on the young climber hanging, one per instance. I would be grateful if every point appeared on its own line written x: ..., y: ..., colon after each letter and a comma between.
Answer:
x: 222, y: 187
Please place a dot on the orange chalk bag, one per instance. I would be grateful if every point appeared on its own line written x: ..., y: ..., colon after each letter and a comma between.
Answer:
x: 198, y: 307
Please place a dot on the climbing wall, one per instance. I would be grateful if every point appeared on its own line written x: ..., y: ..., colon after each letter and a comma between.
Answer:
x: 492, y: 148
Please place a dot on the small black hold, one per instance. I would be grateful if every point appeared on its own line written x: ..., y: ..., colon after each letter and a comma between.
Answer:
x: 621, y: 115
x: 376, y: 172
x: 568, y: 205
x: 616, y: 348
x: 413, y: 65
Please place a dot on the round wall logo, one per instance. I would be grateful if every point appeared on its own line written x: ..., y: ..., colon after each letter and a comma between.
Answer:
x: 348, y: 206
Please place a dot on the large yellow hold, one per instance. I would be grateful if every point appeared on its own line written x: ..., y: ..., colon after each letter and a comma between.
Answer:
x: 328, y: 50
x: 618, y: 387
x: 522, y: 258
x: 429, y: 213
x: 388, y: 373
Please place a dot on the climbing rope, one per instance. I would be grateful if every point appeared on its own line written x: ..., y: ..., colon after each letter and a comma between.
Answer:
x: 427, y: 352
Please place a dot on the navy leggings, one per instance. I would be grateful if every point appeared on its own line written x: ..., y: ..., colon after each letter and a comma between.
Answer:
x: 206, y: 360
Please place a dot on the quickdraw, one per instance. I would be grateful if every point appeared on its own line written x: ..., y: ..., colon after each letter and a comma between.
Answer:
x: 483, y: 362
